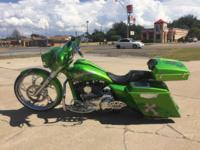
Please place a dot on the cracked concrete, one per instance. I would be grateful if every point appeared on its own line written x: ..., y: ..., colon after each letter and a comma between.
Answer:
x: 124, y: 137
x: 22, y: 129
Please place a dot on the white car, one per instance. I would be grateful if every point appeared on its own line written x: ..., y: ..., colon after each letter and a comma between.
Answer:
x: 128, y: 43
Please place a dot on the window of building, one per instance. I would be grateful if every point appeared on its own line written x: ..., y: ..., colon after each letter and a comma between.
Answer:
x: 157, y: 28
x: 144, y: 36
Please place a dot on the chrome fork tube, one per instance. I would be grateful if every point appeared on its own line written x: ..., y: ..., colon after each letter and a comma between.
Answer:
x: 64, y: 94
x: 46, y: 82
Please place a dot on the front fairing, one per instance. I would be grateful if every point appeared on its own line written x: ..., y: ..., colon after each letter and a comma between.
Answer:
x: 58, y: 56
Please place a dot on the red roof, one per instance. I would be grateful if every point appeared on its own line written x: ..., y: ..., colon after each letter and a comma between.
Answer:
x: 160, y: 21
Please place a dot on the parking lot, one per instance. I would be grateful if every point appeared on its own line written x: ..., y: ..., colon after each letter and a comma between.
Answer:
x: 22, y: 129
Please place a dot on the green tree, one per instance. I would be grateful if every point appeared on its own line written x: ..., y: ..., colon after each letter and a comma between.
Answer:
x: 194, y: 32
x: 112, y: 35
x: 186, y: 22
x: 16, y: 35
x: 98, y: 36
x: 189, y: 22
x: 118, y: 30
x: 137, y: 29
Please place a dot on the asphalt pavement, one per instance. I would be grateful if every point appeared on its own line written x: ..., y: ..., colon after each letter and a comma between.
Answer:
x: 23, y: 129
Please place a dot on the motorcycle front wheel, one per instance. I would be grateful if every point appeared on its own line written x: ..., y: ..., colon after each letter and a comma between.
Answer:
x: 28, y: 82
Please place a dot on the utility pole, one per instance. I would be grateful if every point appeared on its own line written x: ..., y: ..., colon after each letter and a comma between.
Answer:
x: 87, y: 32
x: 87, y: 22
x: 47, y: 40
x: 129, y: 11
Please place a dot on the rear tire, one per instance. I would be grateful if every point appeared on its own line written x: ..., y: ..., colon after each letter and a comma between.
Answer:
x: 118, y: 46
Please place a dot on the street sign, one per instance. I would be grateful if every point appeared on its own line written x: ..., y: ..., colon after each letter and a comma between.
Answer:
x: 131, y: 19
x: 129, y: 9
x: 132, y: 33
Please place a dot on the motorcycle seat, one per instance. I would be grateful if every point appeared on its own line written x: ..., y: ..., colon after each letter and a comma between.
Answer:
x: 132, y: 76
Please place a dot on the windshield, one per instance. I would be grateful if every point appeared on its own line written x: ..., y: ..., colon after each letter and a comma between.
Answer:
x: 73, y: 45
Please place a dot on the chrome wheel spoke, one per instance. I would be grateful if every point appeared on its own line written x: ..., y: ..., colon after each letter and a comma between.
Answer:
x: 22, y: 87
x: 50, y: 101
x: 34, y: 78
x: 51, y: 86
x: 29, y: 84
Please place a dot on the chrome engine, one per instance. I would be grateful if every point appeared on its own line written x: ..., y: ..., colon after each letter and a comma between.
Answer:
x: 106, y: 102
x: 94, y: 97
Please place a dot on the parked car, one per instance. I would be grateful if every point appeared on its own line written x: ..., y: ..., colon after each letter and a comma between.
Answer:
x: 128, y: 43
x: 194, y: 39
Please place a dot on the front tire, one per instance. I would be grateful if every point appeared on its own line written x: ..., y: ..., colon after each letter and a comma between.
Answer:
x: 24, y: 89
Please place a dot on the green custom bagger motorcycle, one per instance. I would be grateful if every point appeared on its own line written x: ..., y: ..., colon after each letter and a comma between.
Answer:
x: 95, y: 89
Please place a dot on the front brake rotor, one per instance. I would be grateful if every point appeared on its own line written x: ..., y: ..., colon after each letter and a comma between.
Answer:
x: 31, y: 91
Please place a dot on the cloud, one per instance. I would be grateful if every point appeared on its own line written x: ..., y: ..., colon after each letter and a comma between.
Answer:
x: 67, y: 16
x: 14, y: 21
x: 177, y: 8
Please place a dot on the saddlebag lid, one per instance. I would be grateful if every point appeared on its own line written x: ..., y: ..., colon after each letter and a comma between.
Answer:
x: 168, y: 69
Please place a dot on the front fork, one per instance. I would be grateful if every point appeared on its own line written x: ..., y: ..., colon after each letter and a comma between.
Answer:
x: 48, y: 80
x: 64, y: 94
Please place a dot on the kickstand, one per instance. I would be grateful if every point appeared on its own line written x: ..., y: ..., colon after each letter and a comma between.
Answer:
x: 63, y: 104
x: 64, y: 95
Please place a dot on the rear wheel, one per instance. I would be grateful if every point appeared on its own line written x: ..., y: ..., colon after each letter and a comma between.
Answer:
x: 118, y: 46
x: 29, y: 82
x: 135, y: 46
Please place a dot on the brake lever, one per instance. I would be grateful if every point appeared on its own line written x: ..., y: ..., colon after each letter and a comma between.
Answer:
x: 80, y: 53
x: 78, y: 49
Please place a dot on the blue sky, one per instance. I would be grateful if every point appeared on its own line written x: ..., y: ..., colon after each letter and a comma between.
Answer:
x: 80, y: 0
x: 14, y: 1
x: 8, y: 0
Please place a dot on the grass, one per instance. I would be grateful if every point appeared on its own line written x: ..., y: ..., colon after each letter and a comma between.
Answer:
x: 185, y: 54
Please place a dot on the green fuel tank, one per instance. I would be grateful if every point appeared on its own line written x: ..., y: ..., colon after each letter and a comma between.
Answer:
x: 84, y: 70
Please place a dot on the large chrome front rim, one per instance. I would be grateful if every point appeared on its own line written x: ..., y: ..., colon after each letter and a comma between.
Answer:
x: 28, y: 84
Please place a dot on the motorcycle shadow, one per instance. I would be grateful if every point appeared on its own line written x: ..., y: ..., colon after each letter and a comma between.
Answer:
x: 20, y: 117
